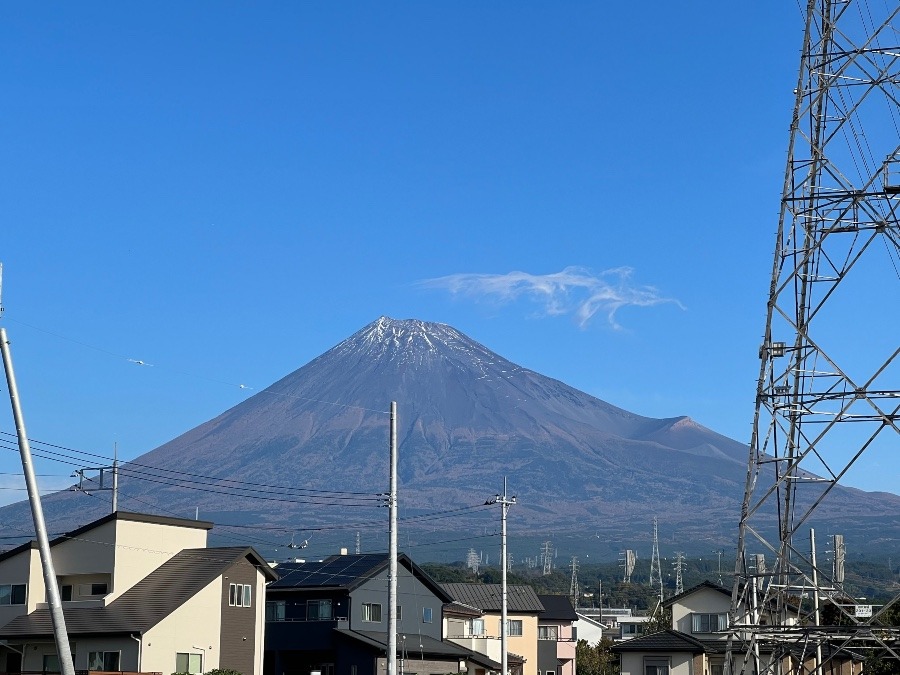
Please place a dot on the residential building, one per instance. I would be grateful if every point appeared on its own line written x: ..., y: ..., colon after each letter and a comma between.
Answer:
x: 697, y: 640
x: 556, y: 636
x: 589, y: 628
x: 482, y: 633
x: 331, y: 618
x: 139, y: 593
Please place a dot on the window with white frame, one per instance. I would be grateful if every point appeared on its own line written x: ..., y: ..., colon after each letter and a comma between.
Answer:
x: 656, y: 666
x: 514, y: 627
x: 427, y: 615
x: 475, y: 626
x: 12, y: 594
x: 708, y: 623
x: 371, y: 611
x: 240, y: 595
x: 188, y: 663
x: 106, y: 661
x: 548, y: 632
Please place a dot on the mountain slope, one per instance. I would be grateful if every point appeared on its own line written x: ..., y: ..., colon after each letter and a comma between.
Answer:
x: 467, y: 418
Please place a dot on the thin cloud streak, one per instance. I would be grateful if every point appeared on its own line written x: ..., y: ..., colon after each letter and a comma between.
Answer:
x: 575, y: 290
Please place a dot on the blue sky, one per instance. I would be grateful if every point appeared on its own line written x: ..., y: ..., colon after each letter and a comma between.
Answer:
x: 226, y: 190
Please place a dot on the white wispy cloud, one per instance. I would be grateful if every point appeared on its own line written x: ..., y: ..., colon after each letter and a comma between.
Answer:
x: 576, y: 291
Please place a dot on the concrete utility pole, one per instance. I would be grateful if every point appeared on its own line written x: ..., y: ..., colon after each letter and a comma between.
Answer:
x: 505, y: 502
x: 40, y: 527
x: 392, y: 573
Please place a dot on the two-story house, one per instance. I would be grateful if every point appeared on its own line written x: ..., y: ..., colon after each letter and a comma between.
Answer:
x: 697, y: 641
x: 482, y: 633
x: 139, y: 593
x: 331, y: 618
x: 556, y: 636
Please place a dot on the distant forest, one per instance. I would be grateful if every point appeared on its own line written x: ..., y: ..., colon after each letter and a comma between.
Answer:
x: 598, y: 583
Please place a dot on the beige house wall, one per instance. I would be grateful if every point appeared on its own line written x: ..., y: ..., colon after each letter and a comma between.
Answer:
x: 142, y: 547
x: 260, y: 594
x: 195, y: 624
x: 679, y: 664
x: 20, y: 569
x: 704, y: 601
x: 524, y: 645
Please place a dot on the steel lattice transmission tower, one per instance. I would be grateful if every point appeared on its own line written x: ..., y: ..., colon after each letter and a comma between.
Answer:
x: 828, y: 396
x: 655, y: 569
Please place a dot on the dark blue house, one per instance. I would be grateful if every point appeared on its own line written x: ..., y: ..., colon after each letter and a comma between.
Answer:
x: 330, y: 618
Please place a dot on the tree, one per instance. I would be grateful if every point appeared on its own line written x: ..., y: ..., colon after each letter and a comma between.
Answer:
x: 596, y: 660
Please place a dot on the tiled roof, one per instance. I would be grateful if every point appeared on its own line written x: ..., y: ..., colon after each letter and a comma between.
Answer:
x: 557, y: 608
x: 489, y: 597
x: 663, y: 641
x: 147, y: 602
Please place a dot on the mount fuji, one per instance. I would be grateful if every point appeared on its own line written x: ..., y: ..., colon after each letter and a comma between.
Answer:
x: 309, y: 455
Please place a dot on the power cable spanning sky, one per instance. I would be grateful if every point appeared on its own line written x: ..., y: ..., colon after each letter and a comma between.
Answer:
x: 199, y: 199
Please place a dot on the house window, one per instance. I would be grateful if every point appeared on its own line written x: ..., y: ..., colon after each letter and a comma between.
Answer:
x: 188, y: 663
x: 318, y: 610
x: 717, y: 669
x: 427, y: 615
x: 656, y: 666
x: 275, y: 610
x: 92, y: 590
x: 548, y: 632
x: 371, y: 611
x: 66, y: 592
x: 476, y: 626
x: 239, y: 595
x: 708, y: 623
x: 399, y: 612
x: 514, y: 627
x: 12, y: 594
x: 107, y: 661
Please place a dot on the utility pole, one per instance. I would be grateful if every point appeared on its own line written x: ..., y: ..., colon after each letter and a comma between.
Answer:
x: 60, y: 634
x: 392, y: 569
x: 505, y: 502
x: 98, y: 482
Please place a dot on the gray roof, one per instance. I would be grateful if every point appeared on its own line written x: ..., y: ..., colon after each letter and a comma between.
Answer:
x: 557, y: 608
x: 664, y: 641
x: 489, y: 597
x: 429, y: 647
x: 693, y: 589
x: 147, y: 602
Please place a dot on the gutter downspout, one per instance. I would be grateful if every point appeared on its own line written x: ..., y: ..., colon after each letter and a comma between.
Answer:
x: 140, y: 644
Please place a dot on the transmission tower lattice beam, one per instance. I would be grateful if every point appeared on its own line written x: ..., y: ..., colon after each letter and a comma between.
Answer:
x: 828, y: 394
